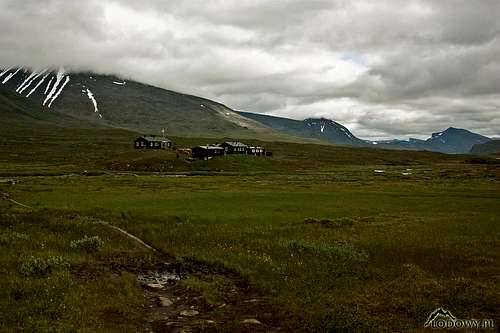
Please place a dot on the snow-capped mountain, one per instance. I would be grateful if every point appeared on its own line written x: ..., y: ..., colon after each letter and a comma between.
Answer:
x: 113, y: 101
x: 452, y: 140
x: 116, y: 102
x: 324, y: 129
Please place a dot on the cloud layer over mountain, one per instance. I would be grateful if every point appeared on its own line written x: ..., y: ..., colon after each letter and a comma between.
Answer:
x: 383, y: 68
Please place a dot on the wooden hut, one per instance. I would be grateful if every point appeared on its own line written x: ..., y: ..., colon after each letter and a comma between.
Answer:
x: 152, y: 142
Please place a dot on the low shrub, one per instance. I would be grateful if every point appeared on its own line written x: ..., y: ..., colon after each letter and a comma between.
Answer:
x: 87, y: 244
x: 35, y: 266
x: 337, y: 250
x: 336, y: 223
x: 8, y: 238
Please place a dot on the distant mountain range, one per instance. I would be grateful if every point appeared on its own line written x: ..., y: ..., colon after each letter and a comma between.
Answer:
x: 111, y: 101
x: 488, y: 148
x: 451, y: 141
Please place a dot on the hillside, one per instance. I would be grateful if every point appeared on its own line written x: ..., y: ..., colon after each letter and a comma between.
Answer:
x: 19, y: 112
x: 112, y: 101
x: 487, y: 148
x: 322, y: 129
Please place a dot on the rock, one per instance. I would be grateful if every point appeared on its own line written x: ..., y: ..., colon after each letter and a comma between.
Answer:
x: 253, y: 300
x: 189, y: 313
x: 251, y: 322
x: 164, y: 301
x: 209, y: 322
x: 154, y: 286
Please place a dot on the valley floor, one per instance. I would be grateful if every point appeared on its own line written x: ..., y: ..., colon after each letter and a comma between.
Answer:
x: 338, y: 248
x: 318, y: 238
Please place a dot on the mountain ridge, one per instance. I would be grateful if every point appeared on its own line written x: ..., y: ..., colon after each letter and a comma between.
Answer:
x: 315, y: 128
x: 452, y: 141
x: 117, y: 102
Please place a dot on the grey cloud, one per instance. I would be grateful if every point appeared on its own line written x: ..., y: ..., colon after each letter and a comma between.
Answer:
x: 384, y: 68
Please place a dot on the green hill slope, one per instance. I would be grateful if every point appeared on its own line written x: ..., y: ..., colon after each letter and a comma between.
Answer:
x: 111, y: 101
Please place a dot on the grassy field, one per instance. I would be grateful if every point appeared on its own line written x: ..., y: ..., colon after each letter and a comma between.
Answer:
x: 49, y: 286
x: 333, y: 244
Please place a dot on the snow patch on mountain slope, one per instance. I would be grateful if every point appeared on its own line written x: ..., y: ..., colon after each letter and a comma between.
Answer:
x: 10, y: 76
x: 30, y: 82
x: 53, y: 91
x: 38, y: 85
x: 120, y: 83
x: 60, y: 90
x: 92, y: 99
x: 90, y: 95
x: 5, y: 71
x: 33, y: 74
x: 48, y: 85
x: 346, y: 132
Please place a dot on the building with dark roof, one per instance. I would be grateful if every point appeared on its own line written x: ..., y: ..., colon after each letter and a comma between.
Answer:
x: 256, y: 151
x: 152, y: 142
x: 234, y: 147
x: 205, y: 152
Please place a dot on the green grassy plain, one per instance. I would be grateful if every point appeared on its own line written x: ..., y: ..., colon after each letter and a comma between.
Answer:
x: 392, y: 246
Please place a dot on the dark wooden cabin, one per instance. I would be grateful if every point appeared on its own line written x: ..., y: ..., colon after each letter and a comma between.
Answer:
x: 256, y: 151
x: 152, y: 142
x: 234, y: 147
x: 204, y: 152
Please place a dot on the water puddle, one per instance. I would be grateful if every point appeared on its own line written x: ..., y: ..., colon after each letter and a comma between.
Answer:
x: 165, y: 277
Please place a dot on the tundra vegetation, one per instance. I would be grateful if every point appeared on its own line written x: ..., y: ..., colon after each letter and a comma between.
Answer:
x: 330, y: 244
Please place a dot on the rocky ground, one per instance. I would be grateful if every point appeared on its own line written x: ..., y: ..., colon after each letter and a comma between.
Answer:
x: 173, y: 306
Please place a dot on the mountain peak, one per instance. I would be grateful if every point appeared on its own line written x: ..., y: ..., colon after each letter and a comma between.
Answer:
x: 317, y: 128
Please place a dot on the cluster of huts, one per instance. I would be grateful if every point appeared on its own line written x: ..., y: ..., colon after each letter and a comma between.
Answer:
x: 202, y: 152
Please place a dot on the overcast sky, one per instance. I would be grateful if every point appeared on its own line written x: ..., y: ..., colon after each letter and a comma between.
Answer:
x: 386, y: 68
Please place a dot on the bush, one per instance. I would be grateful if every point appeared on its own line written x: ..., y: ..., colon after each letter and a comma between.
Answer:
x: 338, y: 250
x: 12, y: 237
x: 336, y: 223
x: 87, y: 244
x: 57, y: 261
x: 35, y: 266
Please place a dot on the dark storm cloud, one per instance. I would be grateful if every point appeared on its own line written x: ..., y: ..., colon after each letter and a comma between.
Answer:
x: 383, y: 68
